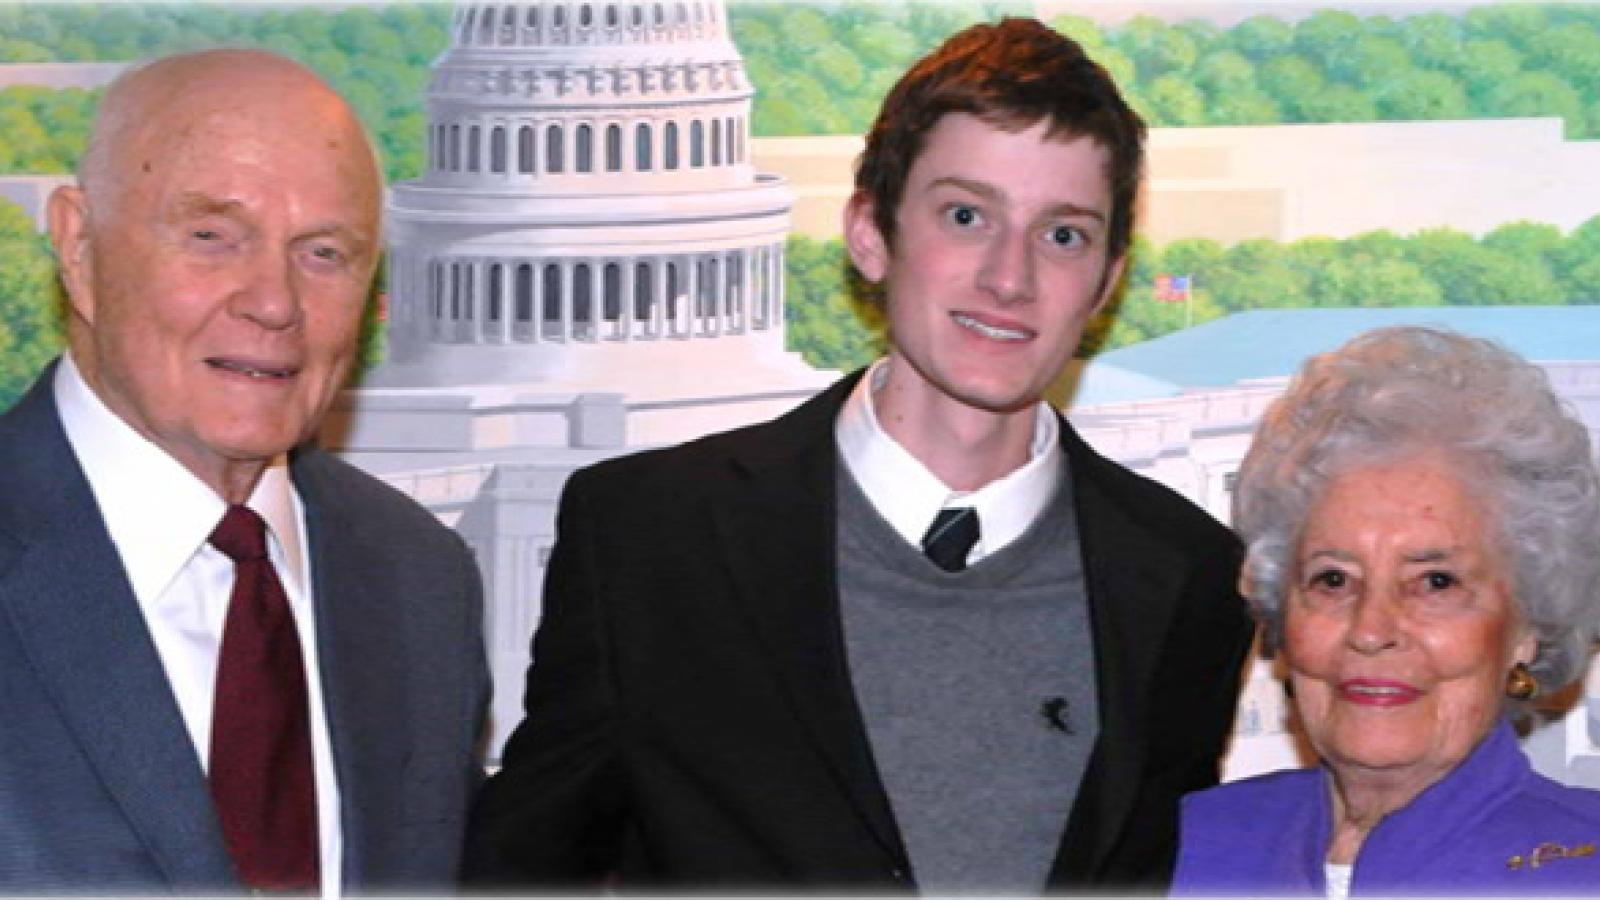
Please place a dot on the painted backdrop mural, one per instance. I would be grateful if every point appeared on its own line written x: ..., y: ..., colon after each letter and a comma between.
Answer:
x: 613, y: 224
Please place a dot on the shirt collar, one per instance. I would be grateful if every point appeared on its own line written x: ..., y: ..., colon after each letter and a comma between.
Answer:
x: 908, y: 495
x: 157, y: 512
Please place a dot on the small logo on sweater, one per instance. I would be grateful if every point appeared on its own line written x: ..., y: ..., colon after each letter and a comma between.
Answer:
x: 1548, y: 852
x: 1055, y: 712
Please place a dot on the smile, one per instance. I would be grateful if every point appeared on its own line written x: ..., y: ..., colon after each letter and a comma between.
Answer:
x: 1378, y: 693
x: 242, y: 368
x: 993, y: 332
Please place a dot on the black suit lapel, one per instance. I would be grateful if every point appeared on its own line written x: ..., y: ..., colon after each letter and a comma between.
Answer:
x: 362, y: 658
x: 1133, y: 582
x: 64, y: 592
x: 776, y: 527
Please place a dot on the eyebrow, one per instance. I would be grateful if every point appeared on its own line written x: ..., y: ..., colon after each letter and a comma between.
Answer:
x: 990, y: 192
x: 199, y: 203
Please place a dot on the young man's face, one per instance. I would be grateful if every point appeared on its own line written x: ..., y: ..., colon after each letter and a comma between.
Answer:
x: 999, y: 259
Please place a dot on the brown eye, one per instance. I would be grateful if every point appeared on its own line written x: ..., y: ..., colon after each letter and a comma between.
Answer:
x: 1332, y: 579
x: 1440, y: 581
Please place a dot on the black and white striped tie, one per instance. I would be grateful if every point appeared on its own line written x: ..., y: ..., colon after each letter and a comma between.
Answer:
x: 950, y: 538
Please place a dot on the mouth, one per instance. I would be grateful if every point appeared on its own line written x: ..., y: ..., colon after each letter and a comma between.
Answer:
x: 252, y: 370
x: 991, y: 331
x: 1375, y: 692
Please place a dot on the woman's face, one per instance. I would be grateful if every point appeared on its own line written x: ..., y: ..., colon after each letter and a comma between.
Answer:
x: 1400, y: 626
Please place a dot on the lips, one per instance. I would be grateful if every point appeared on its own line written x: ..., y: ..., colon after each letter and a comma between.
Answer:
x: 993, y: 330
x: 1378, y: 692
x: 255, y: 369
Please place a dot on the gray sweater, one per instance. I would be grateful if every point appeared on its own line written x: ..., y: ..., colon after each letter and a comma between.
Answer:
x: 978, y: 692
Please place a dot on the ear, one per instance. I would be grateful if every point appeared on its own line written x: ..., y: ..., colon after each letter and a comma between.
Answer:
x: 1526, y: 649
x: 68, y: 216
x: 1109, y: 282
x: 863, y: 240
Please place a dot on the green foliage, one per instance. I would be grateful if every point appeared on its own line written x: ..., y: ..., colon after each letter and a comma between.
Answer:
x: 829, y: 320
x: 30, y: 303
x: 1522, y: 263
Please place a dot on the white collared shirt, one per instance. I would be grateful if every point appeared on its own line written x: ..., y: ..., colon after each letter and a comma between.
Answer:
x: 159, y: 516
x: 908, y: 495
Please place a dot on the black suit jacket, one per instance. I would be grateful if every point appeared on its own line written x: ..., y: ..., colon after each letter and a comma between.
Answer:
x: 690, y: 720
x: 101, y: 789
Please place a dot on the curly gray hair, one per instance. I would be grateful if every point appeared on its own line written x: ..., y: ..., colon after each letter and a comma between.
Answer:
x: 1394, y: 391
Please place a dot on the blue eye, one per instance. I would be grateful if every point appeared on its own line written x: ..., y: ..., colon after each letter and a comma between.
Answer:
x: 1066, y: 236
x: 962, y: 215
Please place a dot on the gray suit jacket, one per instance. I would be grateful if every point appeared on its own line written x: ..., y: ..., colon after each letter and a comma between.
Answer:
x: 100, y: 785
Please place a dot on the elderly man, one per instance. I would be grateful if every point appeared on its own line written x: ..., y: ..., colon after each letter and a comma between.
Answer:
x: 227, y: 660
x: 915, y: 633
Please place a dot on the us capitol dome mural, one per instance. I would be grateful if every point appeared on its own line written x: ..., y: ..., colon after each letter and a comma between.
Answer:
x: 590, y: 265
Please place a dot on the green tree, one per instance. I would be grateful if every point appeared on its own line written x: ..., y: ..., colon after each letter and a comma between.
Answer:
x: 1413, y: 94
x: 1262, y: 37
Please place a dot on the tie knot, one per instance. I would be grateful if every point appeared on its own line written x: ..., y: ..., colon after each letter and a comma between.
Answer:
x: 241, y: 535
x: 950, y: 538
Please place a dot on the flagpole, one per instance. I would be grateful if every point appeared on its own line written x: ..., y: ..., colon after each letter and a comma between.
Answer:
x: 1188, y: 305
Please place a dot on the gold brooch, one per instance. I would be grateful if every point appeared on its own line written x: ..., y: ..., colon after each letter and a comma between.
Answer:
x: 1549, y: 851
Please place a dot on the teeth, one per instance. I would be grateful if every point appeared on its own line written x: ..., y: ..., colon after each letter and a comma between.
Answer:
x: 251, y: 371
x: 990, y: 331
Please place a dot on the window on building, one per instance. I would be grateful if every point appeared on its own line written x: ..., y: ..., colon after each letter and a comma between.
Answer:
x: 524, y: 293
x: 611, y: 292
x: 641, y: 147
x: 497, y: 149
x: 585, y: 148
x: 474, y: 149
x: 644, y: 297
x: 669, y: 150
x: 455, y: 148
x: 486, y: 31
x: 583, y: 323
x: 613, y: 148
x: 727, y: 136
x: 525, y: 145
x: 496, y: 295
x: 551, y: 314
x: 552, y: 148
x: 697, y: 143
x: 716, y: 142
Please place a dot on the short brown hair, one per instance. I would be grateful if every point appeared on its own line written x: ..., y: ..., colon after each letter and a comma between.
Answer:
x: 1013, y: 73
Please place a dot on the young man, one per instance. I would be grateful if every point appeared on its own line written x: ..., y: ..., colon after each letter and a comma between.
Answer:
x: 915, y: 634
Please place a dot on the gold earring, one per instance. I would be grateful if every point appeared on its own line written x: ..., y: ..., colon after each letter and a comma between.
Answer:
x: 1520, y: 683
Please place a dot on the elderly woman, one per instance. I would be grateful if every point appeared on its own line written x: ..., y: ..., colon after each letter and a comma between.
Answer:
x: 1423, y: 528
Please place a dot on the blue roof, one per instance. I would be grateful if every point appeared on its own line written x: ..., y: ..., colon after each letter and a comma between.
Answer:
x: 1268, y: 343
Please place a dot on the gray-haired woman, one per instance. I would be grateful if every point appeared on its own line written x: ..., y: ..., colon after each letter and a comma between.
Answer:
x: 1423, y: 527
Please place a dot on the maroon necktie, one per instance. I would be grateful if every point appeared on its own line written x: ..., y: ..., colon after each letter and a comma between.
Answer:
x: 261, y: 776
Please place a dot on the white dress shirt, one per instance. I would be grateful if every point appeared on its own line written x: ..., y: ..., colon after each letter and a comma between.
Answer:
x: 908, y: 495
x: 160, y: 515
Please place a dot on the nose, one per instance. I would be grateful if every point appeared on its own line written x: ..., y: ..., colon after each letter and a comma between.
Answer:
x: 1007, y: 270
x: 1374, y: 625
x: 268, y: 293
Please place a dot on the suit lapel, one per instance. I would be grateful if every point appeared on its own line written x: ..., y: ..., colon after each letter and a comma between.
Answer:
x: 64, y: 591
x: 361, y: 650
x: 1133, y: 581
x: 776, y: 527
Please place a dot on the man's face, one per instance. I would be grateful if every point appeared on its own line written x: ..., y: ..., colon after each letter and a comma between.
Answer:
x: 218, y: 280
x: 998, y: 261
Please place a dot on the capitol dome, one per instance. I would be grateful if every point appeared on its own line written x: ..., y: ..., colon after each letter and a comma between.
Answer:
x: 589, y: 203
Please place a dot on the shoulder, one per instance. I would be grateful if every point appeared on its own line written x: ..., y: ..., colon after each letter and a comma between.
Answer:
x: 1269, y: 799
x: 1258, y: 835
x: 691, y: 470
x: 1549, y: 802
x: 1154, y: 507
x: 364, y: 504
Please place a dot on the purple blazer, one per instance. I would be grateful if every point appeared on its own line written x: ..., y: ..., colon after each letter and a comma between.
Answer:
x: 1491, y: 826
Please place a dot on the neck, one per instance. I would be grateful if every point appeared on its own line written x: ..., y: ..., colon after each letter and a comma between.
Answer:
x: 1362, y: 798
x: 964, y: 447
